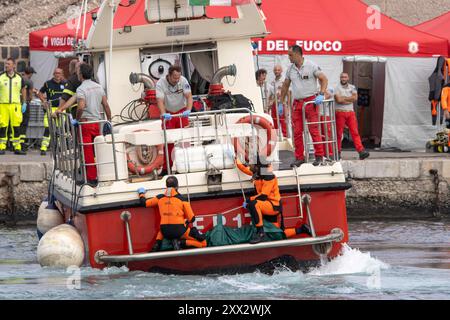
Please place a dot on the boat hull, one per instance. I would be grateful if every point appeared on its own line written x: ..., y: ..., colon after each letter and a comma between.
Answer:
x: 105, y: 231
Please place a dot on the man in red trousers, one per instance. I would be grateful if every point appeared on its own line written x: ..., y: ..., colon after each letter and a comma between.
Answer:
x: 345, y: 95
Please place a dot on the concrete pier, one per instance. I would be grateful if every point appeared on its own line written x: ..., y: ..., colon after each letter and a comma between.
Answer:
x: 394, y: 185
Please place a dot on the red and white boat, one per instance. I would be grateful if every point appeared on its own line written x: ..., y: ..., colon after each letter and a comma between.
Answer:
x: 114, y: 228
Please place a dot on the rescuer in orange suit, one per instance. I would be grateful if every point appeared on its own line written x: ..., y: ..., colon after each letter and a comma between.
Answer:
x: 176, y: 215
x: 266, y: 204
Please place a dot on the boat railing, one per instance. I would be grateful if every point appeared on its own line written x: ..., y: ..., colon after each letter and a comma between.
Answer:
x: 327, y: 130
x: 335, y: 235
x: 68, y: 146
x: 196, y: 116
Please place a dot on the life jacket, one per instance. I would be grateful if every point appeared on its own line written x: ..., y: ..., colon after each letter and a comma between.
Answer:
x: 10, y: 88
x: 173, y: 207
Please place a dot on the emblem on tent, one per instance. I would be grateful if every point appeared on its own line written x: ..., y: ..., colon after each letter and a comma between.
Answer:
x: 45, y: 41
x: 413, y: 47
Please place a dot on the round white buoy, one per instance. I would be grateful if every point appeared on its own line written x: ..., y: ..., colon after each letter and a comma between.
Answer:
x: 62, y: 246
x: 48, y: 217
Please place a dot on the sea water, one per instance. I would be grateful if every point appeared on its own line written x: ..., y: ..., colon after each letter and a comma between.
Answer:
x: 383, y: 260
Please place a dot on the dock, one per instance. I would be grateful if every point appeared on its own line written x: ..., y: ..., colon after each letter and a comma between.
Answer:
x: 386, y: 185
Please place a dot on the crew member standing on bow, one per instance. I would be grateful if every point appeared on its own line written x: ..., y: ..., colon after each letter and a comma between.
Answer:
x: 266, y: 204
x: 174, y: 96
x: 303, y: 74
x: 12, y: 106
x: 50, y: 95
x: 176, y: 214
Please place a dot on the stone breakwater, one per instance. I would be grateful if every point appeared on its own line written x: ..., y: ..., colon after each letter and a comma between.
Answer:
x: 382, y: 188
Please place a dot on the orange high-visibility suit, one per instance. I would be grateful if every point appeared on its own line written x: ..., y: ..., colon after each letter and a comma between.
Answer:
x: 176, y: 214
x: 266, y: 204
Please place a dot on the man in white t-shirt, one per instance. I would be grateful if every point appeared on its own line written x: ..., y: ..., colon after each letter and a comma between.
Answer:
x: 305, y: 77
x: 174, y: 96
x: 345, y: 94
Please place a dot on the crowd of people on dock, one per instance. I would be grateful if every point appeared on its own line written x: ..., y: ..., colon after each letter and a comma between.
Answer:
x: 300, y: 85
x: 295, y: 87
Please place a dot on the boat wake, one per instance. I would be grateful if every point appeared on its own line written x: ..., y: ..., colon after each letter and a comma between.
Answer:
x: 350, y: 261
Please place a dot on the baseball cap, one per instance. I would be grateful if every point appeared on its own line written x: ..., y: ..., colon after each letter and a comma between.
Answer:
x: 29, y: 70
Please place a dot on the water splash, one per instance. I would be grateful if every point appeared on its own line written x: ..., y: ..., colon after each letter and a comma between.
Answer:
x: 350, y: 261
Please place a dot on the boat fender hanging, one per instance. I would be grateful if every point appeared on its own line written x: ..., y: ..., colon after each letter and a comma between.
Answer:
x: 48, y: 217
x: 62, y: 247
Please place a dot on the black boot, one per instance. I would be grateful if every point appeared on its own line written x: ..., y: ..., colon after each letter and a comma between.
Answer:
x: 318, y: 161
x: 20, y: 152
x: 304, y: 229
x: 363, y: 155
x: 297, y: 163
x: 157, y: 246
x: 197, y: 235
x: 258, y: 236
x: 176, y: 244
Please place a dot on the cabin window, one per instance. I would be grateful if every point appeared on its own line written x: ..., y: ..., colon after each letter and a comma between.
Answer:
x: 198, y: 63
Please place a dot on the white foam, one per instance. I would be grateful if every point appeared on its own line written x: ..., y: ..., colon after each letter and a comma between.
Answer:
x: 350, y: 261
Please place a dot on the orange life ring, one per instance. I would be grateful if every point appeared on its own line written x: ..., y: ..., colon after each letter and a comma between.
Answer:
x: 143, y: 169
x: 263, y: 123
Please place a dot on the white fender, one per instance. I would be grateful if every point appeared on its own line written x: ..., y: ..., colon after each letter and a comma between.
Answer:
x: 48, y: 217
x: 62, y: 246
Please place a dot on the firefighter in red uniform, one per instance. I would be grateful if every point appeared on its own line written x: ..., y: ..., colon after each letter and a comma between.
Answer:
x: 345, y: 95
x: 176, y: 215
x: 266, y: 204
x: 304, y: 76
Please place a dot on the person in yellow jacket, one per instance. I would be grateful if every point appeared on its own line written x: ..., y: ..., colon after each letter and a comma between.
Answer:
x: 176, y: 215
x: 266, y: 204
x: 12, y: 106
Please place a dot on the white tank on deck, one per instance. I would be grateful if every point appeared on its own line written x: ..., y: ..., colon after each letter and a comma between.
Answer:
x: 48, y: 217
x: 103, y: 154
x: 202, y: 158
x: 62, y: 246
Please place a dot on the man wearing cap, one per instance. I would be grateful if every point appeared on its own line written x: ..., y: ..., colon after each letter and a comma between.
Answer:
x: 304, y: 74
x: 27, y: 92
x: 174, y: 96
x: 12, y: 106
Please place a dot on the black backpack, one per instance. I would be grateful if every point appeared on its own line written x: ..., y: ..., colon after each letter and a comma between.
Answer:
x: 229, y: 101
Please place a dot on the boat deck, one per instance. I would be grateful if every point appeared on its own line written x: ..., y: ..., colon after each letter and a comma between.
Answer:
x: 286, y: 157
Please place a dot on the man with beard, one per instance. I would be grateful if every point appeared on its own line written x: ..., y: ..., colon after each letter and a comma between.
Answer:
x: 345, y: 95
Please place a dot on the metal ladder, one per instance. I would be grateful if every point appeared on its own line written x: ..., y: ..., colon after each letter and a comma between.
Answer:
x: 329, y: 112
